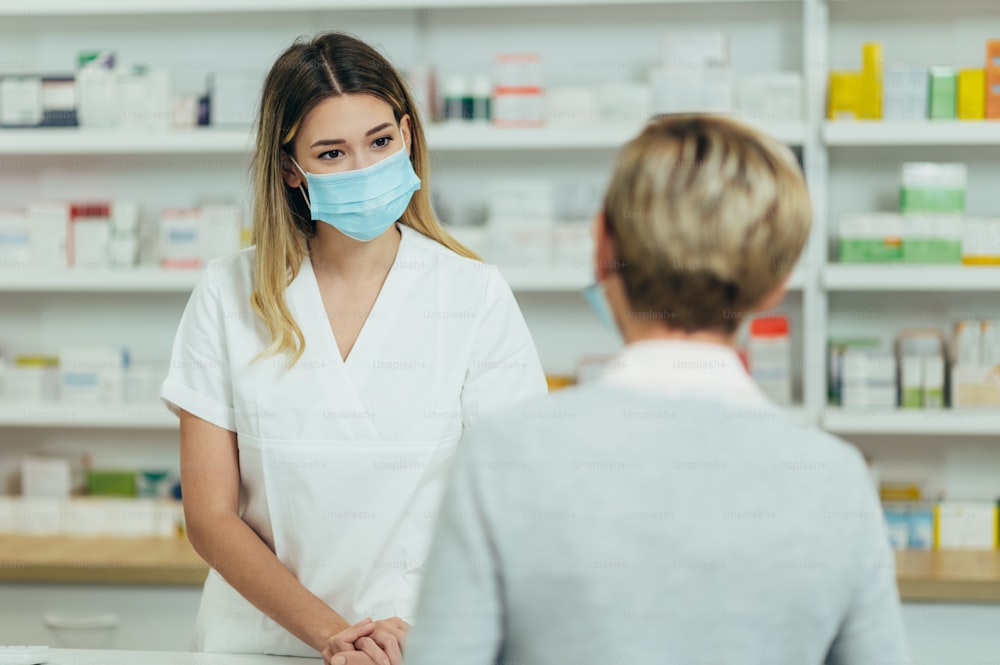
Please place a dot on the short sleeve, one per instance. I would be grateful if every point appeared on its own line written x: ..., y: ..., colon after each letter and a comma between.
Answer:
x: 504, y: 368
x: 198, y: 380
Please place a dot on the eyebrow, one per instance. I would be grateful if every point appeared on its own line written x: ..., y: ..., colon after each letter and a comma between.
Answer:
x: 373, y: 130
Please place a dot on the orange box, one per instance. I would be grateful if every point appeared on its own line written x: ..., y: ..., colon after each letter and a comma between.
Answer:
x: 993, y: 55
x: 993, y: 95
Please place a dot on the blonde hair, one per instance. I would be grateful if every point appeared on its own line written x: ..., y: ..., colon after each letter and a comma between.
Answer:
x: 328, y: 65
x: 708, y: 216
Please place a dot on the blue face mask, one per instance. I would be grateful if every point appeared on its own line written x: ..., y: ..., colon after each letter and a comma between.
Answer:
x: 599, y: 303
x: 363, y: 203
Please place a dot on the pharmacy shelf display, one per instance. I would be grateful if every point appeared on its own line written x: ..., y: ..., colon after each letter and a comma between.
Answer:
x: 440, y: 138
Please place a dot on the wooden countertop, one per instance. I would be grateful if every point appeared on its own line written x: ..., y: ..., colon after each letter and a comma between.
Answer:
x: 949, y: 576
x: 100, y: 560
x: 923, y: 576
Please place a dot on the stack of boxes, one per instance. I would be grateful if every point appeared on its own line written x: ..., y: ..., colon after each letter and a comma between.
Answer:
x: 930, y: 227
x: 98, y: 235
x: 913, y: 92
x: 918, y: 375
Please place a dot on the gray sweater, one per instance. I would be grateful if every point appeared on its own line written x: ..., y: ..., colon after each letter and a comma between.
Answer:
x: 609, y: 526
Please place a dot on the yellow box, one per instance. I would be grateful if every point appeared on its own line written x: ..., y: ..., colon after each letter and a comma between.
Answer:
x: 972, y: 94
x: 845, y: 96
x: 871, y: 81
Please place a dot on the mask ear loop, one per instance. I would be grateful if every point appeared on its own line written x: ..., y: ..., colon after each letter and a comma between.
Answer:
x: 301, y: 189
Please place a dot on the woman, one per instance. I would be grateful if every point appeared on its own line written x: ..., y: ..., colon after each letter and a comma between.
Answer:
x: 324, y: 377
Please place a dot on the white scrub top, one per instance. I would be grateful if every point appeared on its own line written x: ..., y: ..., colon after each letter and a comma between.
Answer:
x: 342, y: 463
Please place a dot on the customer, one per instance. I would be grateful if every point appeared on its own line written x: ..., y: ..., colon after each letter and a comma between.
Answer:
x: 668, y: 514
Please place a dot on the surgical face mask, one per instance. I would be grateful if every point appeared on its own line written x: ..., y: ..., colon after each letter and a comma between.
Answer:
x: 599, y: 303
x: 362, y: 203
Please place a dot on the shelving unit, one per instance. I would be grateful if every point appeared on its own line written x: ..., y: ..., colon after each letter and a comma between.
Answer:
x: 118, y: 7
x: 63, y: 415
x: 892, y: 277
x: 942, y: 422
x: 915, y: 133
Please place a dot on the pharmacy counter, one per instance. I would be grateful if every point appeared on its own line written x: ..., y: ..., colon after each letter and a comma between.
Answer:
x: 114, y: 657
x: 958, y: 577
x: 100, y: 560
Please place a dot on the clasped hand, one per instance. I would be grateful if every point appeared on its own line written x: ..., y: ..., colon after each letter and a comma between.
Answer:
x: 368, y: 642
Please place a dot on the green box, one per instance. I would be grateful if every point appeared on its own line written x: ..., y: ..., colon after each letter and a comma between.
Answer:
x: 931, y: 250
x: 929, y: 200
x: 111, y: 483
x: 943, y: 94
x: 868, y: 250
x: 911, y: 398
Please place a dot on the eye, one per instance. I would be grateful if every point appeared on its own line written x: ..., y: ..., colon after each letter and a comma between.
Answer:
x: 382, y: 141
x: 330, y: 154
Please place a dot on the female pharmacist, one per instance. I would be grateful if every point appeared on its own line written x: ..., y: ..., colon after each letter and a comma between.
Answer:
x: 672, y: 515
x: 324, y: 377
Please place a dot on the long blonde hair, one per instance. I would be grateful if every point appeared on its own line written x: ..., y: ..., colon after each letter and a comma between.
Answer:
x: 329, y: 65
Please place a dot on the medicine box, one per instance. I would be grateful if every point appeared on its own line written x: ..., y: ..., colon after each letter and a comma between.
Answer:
x: 975, y: 386
x: 904, y: 92
x: 21, y: 101
x: 773, y: 97
x: 48, y: 477
x: 981, y: 241
x: 943, y: 93
x: 518, y: 95
x: 234, y: 97
x: 965, y: 525
x: 870, y: 238
x: 932, y: 188
x: 844, y: 102
x: 15, y: 240
x: 694, y: 49
x: 971, y: 94
x: 49, y: 233
x: 871, y: 81
x: 92, y: 375
x: 932, y: 239
x: 993, y: 79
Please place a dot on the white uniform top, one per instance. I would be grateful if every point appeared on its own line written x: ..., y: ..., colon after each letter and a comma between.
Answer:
x: 342, y: 463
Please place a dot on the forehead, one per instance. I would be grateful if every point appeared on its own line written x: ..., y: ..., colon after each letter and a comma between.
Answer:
x: 347, y: 116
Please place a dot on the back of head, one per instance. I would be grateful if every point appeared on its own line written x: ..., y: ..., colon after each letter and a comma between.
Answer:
x: 708, y: 216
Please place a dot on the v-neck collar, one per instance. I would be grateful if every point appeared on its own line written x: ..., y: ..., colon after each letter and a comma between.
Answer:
x: 374, y: 330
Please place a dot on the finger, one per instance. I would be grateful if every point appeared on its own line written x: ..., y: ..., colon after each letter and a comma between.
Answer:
x: 367, y: 646
x: 345, y: 639
x: 387, y: 641
x: 351, y: 658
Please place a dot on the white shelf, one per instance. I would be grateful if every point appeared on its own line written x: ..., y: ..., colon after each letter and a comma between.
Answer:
x: 141, y: 280
x: 912, y: 133
x: 912, y: 277
x: 142, y: 7
x: 74, y: 141
x: 97, y: 416
x: 440, y: 138
x: 943, y: 422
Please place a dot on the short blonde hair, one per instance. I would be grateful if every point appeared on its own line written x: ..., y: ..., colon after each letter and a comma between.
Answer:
x: 708, y: 216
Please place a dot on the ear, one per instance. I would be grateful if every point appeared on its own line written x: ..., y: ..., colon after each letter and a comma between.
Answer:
x: 605, y: 251
x: 291, y: 174
x: 774, y: 298
x: 404, y: 131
